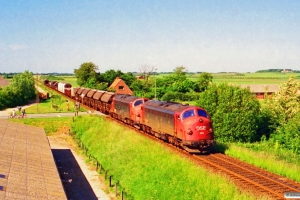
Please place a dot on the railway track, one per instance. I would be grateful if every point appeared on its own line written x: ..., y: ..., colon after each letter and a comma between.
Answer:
x: 250, y: 177
x: 246, y: 176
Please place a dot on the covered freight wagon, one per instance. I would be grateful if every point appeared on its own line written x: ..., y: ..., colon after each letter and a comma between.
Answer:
x: 64, y: 88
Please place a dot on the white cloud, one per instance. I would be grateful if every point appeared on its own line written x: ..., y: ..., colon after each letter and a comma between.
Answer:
x: 15, y: 47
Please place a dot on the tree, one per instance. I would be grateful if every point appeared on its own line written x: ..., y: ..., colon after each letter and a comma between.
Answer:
x: 23, y: 85
x: 128, y: 78
x: 285, y: 104
x: 203, y: 81
x: 147, y: 70
x: 180, y: 71
x: 183, y: 86
x: 140, y: 88
x: 85, y: 72
x: 283, y: 109
x: 288, y: 134
x: 109, y: 76
x: 19, y: 92
x: 234, y: 112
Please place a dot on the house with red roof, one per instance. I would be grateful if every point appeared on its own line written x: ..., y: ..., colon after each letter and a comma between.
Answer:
x: 3, y: 82
x: 261, y: 91
x: 120, y: 87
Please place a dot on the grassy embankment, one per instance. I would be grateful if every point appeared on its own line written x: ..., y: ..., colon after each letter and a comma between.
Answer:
x: 145, y: 169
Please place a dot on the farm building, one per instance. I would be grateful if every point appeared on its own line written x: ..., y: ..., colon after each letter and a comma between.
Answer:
x: 3, y: 82
x: 120, y: 87
x: 259, y: 90
x: 140, y: 77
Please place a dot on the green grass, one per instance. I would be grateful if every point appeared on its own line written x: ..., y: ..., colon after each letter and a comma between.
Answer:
x: 68, y: 79
x: 51, y: 125
x: 278, y: 161
x: 46, y: 107
x: 145, y: 169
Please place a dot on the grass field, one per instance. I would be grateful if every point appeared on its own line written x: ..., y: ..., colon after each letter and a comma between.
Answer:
x: 70, y: 79
x: 244, y: 78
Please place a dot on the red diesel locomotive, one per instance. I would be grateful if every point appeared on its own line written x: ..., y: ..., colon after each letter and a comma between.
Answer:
x: 185, y: 126
x: 182, y: 125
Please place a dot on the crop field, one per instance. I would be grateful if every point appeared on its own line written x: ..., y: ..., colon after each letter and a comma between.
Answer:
x: 70, y: 79
x: 250, y: 78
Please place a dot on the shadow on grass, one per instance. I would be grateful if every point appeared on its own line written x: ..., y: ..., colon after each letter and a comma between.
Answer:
x: 74, y: 181
x: 220, y: 147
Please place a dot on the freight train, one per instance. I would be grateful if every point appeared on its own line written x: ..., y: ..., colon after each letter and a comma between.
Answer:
x: 185, y: 126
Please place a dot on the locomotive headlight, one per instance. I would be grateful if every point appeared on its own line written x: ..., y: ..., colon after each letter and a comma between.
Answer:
x: 190, y: 132
x: 210, y: 130
x: 200, y: 119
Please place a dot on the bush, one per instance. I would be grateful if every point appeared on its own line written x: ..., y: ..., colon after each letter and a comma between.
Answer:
x: 20, y: 90
x: 234, y: 112
x: 288, y: 135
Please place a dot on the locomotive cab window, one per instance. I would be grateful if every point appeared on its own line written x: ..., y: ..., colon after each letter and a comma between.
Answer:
x: 137, y: 103
x: 187, y: 114
x: 202, y: 113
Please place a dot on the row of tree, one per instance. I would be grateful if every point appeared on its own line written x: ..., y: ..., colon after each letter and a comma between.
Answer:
x: 19, y: 92
x: 279, y: 70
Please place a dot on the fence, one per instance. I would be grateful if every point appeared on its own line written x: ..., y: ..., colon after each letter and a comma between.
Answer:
x: 119, y: 190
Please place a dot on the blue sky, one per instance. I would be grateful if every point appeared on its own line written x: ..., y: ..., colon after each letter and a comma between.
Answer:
x: 203, y: 36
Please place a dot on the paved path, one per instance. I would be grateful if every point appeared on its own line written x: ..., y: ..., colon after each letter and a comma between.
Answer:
x: 5, y: 113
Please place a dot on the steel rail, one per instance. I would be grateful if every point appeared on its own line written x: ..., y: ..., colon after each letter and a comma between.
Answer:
x: 269, y: 190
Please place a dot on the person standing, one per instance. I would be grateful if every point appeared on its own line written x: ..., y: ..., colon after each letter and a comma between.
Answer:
x: 23, y: 113
x: 14, y: 114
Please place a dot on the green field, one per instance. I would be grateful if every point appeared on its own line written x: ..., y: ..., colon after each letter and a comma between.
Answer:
x: 251, y: 78
x: 70, y: 79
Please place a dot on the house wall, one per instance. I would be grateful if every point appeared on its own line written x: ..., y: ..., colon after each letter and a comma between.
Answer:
x: 126, y: 89
x: 261, y: 95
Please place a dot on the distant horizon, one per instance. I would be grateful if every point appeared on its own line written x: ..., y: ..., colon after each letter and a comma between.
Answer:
x: 258, y: 71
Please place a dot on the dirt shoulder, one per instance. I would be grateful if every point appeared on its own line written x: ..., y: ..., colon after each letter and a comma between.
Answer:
x: 80, y: 180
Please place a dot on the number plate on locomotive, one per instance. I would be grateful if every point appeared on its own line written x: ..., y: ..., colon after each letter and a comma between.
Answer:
x: 200, y: 128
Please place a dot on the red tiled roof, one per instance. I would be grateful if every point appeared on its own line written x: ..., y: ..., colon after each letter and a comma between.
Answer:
x: 4, y: 82
x: 260, y: 88
x: 120, y: 83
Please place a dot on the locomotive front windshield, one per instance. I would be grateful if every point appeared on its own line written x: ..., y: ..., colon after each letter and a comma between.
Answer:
x: 188, y: 113
x: 191, y: 113
x: 202, y: 113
